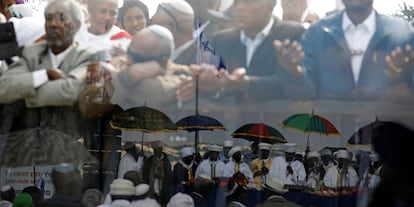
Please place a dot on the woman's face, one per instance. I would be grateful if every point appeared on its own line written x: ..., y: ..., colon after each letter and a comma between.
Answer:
x: 134, y: 20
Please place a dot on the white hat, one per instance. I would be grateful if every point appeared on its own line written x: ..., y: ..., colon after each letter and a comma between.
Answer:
x: 187, y: 151
x: 343, y: 154
x: 5, y: 188
x: 234, y: 150
x: 325, y: 151
x: 300, y: 153
x: 141, y: 189
x: 228, y: 143
x: 275, y: 185
x: 314, y: 154
x: 181, y: 200
x: 157, y: 144
x: 121, y: 186
x: 182, y: 6
x: 374, y: 157
x: 290, y: 147
x: 27, y: 36
x: 214, y: 148
x: 265, y: 146
x: 203, y: 179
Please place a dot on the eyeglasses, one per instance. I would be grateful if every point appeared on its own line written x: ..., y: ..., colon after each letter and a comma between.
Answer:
x: 167, y: 9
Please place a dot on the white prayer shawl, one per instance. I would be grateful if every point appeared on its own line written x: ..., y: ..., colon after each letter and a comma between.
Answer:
x: 244, y: 168
x: 205, y: 168
x: 278, y: 170
x: 101, y: 42
x: 128, y: 163
x: 350, y: 179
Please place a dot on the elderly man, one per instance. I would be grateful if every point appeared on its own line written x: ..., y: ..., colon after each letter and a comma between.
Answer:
x: 342, y: 175
x: 44, y: 85
x: 235, y: 165
x: 261, y: 165
x: 213, y: 167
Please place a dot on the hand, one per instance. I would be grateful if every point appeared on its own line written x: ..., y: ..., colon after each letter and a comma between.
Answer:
x: 185, y: 89
x: 399, y: 64
x: 117, y: 51
x: 144, y: 70
x: 98, y: 70
x: 209, y: 77
x: 289, y: 55
x: 55, y: 74
x: 289, y: 169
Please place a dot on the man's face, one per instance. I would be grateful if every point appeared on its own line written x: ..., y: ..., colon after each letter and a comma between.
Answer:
x: 102, y: 16
x: 134, y: 20
x: 358, y: 5
x: 264, y: 154
x: 213, y: 155
x: 59, y: 26
x: 237, y: 157
x: 5, y: 7
x: 246, y: 13
x: 158, y: 151
x: 187, y: 160
x: 289, y: 156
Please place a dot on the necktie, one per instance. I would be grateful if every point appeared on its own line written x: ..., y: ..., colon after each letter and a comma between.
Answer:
x: 236, y: 167
x: 213, y: 170
x: 339, y: 179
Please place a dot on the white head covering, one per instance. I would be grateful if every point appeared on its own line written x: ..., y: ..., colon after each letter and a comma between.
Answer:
x: 314, y: 154
x: 214, y: 148
x: 234, y: 150
x: 228, y: 143
x: 290, y: 147
x: 181, y: 200
x: 275, y: 185
x: 300, y: 153
x: 343, y: 154
x: 141, y: 189
x: 27, y: 36
x: 265, y: 146
x: 325, y: 151
x: 121, y: 186
x: 182, y: 6
x: 187, y: 151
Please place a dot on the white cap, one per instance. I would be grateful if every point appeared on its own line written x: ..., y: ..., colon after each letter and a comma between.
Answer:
x: 181, y: 200
x: 228, y: 143
x: 275, y: 185
x: 234, y: 150
x: 214, y: 148
x: 182, y: 6
x: 121, y: 186
x: 5, y: 188
x: 325, y: 151
x: 343, y: 154
x: 300, y: 153
x: 265, y: 146
x: 187, y: 151
x: 314, y: 154
x: 164, y: 33
x: 27, y: 36
x: 290, y: 147
x: 374, y: 157
x: 141, y: 189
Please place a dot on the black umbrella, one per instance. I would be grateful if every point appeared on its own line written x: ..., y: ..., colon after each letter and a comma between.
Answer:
x: 363, y: 136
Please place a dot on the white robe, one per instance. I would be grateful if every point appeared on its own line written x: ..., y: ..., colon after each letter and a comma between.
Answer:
x: 244, y: 168
x: 147, y: 202
x: 350, y: 179
x: 278, y: 170
x: 128, y: 163
x: 205, y: 168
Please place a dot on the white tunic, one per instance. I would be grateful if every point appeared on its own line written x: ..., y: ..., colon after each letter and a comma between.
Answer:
x: 349, y: 179
x: 229, y: 170
x: 278, y: 170
x: 128, y: 163
x: 205, y: 168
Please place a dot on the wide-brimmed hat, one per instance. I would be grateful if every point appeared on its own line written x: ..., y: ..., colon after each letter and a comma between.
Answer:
x: 275, y: 185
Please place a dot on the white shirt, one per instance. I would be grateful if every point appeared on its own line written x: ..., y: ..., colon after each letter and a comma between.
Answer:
x: 128, y: 163
x: 229, y: 170
x: 147, y: 202
x: 120, y: 203
x: 205, y: 168
x: 40, y: 76
x: 278, y: 170
x: 252, y: 44
x: 358, y: 38
x: 350, y: 179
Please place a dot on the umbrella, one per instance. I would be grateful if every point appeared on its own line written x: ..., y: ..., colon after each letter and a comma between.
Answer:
x: 310, y: 123
x: 41, y: 147
x: 196, y: 123
x: 363, y: 136
x: 143, y: 119
x: 259, y: 132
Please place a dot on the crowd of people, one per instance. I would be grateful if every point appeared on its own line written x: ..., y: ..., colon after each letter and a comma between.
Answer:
x: 89, y: 60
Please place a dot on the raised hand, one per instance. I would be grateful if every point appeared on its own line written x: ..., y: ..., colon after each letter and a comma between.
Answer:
x: 289, y: 55
x: 400, y: 62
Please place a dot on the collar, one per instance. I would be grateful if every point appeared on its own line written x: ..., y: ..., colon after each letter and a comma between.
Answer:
x: 185, y: 165
x: 262, y: 34
x: 58, y: 59
x: 369, y: 22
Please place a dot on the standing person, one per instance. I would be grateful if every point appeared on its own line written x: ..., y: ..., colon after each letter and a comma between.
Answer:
x: 44, y: 85
x: 286, y: 169
x: 261, y: 165
x: 121, y: 192
x: 254, y: 152
x: 133, y: 16
x: 235, y: 165
x: 326, y: 159
x: 142, y: 198
x: 370, y: 55
x: 213, y: 167
x: 132, y: 160
x: 224, y: 155
x: 314, y: 171
x: 274, y: 190
x: 184, y: 171
x: 342, y: 175
x: 372, y: 175
x: 157, y: 173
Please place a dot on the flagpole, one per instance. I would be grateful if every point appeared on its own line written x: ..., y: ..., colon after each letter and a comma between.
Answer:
x: 196, y: 112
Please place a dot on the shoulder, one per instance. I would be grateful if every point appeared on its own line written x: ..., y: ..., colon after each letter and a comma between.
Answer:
x: 226, y: 34
x: 83, y: 50
x: 35, y: 49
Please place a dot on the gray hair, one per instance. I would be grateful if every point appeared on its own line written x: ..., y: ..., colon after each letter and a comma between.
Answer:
x: 166, y: 44
x: 74, y: 8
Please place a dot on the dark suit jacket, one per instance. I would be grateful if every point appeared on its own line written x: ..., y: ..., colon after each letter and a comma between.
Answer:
x: 166, y: 181
x: 268, y: 80
x: 327, y: 59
